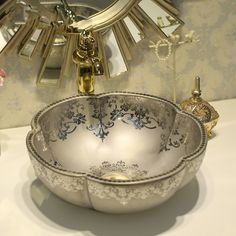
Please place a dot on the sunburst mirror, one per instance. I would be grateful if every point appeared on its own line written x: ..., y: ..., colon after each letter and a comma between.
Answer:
x: 50, y: 28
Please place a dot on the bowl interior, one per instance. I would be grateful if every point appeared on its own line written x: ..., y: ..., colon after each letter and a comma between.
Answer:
x: 116, y: 136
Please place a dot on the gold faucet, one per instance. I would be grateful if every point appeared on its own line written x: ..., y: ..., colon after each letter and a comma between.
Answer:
x: 88, y: 63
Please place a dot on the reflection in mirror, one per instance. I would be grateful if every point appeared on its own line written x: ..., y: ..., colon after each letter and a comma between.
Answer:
x: 123, y: 41
x: 98, y: 5
x: 116, y: 61
x: 6, y: 35
x: 12, y: 23
x: 52, y: 65
x: 166, y: 22
x: 82, y: 8
x: 31, y: 41
x: 136, y: 33
x: 57, y: 51
x: 29, y: 47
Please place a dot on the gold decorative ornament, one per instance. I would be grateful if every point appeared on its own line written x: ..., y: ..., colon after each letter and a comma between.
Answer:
x: 201, y: 108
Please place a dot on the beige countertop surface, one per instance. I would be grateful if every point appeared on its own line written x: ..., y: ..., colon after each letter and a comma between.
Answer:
x: 206, y: 206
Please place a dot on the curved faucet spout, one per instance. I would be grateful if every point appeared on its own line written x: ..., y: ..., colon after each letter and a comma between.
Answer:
x: 88, y: 63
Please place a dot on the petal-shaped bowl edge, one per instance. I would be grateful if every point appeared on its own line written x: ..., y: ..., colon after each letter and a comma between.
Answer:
x: 179, y: 167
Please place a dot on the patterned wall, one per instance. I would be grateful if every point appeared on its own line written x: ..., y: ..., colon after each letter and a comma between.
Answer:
x: 213, y: 59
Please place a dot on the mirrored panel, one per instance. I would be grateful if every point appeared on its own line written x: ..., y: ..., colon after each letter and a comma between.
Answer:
x: 82, y: 8
x: 6, y: 35
x: 28, y: 48
x: 50, y: 73
x: 134, y: 30
x: 114, y: 55
x: 160, y: 17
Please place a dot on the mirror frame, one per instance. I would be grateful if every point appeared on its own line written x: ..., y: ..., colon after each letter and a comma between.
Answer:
x: 112, y: 18
x: 107, y: 17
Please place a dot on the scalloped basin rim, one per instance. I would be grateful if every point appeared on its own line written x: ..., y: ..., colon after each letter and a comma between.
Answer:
x: 180, y: 166
x: 35, y: 125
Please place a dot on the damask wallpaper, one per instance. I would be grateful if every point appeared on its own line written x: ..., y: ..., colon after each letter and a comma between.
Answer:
x: 213, y: 59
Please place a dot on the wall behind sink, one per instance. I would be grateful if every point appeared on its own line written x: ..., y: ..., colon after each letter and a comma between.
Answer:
x: 213, y: 59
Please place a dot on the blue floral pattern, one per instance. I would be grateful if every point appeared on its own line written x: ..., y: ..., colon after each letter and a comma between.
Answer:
x: 70, y: 120
x: 105, y: 112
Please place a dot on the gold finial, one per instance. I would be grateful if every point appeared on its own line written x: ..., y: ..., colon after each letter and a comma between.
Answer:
x: 197, y: 88
x: 200, y: 108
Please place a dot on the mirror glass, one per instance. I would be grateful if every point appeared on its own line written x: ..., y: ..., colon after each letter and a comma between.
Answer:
x: 50, y: 72
x: 162, y: 18
x: 6, y: 34
x: 82, y: 8
x: 133, y: 29
x: 116, y: 63
x: 98, y: 5
x: 28, y: 47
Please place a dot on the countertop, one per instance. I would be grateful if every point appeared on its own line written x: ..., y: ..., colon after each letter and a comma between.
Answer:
x: 206, y: 206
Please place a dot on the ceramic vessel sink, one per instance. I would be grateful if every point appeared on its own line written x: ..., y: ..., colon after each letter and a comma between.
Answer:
x: 115, y: 152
